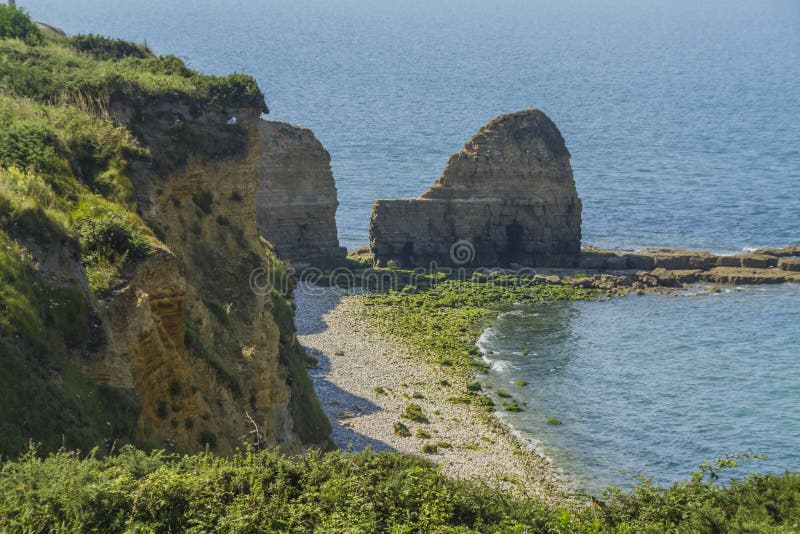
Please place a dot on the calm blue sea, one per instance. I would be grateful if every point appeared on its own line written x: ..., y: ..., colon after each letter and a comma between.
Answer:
x: 654, y: 384
x: 683, y: 120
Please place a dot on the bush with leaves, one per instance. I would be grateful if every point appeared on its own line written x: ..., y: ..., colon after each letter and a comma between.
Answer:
x: 262, y: 491
x: 110, y: 239
x: 16, y: 24
x: 105, y: 48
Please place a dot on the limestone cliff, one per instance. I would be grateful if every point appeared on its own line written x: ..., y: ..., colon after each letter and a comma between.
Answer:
x: 296, y: 197
x: 180, y: 348
x: 199, y: 343
x: 508, y: 196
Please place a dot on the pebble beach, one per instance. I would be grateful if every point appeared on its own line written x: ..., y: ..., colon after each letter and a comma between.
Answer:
x: 365, y: 381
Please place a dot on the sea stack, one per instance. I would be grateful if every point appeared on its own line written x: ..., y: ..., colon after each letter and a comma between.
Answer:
x: 507, y: 197
x: 296, y: 197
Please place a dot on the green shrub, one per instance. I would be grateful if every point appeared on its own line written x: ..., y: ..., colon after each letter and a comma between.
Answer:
x: 413, y: 412
x: 63, y: 142
x: 401, y: 430
x: 16, y: 24
x: 430, y: 448
x: 110, y: 240
x: 357, y: 492
x: 235, y: 88
x: 27, y: 185
x: 105, y: 48
x: 422, y: 434
x: 86, y: 69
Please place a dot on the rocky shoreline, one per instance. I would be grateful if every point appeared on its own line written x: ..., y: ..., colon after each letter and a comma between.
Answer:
x: 666, y: 269
x: 365, y: 382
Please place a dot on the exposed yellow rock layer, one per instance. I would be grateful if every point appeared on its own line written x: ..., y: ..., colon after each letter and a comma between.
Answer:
x: 185, y: 334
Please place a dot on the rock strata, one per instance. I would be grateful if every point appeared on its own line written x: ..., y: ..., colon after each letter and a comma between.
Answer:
x: 296, y: 196
x: 790, y: 264
x: 203, y: 352
x: 507, y: 197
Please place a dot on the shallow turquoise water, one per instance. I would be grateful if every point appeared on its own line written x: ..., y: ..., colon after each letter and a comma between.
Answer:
x: 683, y: 120
x: 654, y: 384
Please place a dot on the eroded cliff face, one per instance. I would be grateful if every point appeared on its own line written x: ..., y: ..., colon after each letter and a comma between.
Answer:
x: 184, y: 353
x: 509, y: 193
x: 296, y: 197
x: 202, y: 346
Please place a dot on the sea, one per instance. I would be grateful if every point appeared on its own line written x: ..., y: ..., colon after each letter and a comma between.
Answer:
x: 683, y: 121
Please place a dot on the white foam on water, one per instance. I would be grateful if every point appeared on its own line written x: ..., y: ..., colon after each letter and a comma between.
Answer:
x: 501, y: 366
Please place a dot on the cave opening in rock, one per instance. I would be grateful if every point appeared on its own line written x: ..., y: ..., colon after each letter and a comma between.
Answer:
x: 302, y: 236
x: 513, y: 242
x: 407, y: 253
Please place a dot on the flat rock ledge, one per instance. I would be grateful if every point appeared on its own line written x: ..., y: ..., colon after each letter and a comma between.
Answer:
x: 671, y: 268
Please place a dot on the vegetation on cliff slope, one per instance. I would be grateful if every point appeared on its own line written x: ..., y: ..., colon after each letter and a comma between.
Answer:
x: 133, y: 491
x: 89, y: 69
x: 64, y: 187
x: 67, y: 167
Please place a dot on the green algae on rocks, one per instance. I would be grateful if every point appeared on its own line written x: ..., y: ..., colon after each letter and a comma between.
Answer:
x: 443, y: 320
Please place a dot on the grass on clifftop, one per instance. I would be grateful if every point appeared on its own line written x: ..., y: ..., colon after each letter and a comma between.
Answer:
x: 63, y: 173
x: 90, y: 69
x: 133, y: 491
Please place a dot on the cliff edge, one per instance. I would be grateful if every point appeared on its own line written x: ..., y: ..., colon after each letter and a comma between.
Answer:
x: 133, y: 281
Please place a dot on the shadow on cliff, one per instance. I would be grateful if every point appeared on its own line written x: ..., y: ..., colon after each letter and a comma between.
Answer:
x: 341, y: 406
